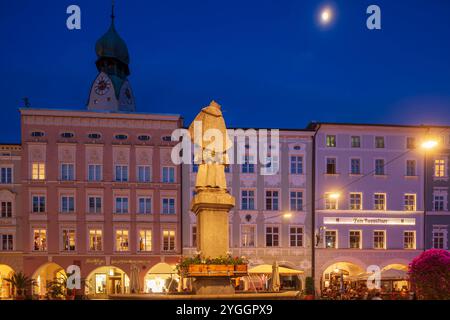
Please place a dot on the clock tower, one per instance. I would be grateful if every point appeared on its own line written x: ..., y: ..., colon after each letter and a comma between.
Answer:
x: 111, y: 90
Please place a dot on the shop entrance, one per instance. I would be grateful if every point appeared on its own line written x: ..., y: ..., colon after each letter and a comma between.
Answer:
x: 107, y: 280
x: 6, y: 272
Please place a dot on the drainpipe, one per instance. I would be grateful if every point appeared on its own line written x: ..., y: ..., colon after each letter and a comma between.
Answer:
x: 313, y: 207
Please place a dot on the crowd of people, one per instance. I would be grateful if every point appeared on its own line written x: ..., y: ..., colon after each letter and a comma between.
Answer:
x: 361, y: 292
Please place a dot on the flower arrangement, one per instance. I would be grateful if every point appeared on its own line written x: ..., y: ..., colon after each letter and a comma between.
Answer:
x: 228, y: 260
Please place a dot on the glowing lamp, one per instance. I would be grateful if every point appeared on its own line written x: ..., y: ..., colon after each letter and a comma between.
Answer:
x: 429, y: 144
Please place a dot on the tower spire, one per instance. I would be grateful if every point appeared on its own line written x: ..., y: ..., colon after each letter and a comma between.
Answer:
x: 112, y: 11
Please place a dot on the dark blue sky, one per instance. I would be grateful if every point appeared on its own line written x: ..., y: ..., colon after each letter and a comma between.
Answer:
x: 267, y: 62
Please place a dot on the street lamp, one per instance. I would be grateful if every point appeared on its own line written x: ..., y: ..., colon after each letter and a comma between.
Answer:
x: 429, y: 144
x: 334, y: 195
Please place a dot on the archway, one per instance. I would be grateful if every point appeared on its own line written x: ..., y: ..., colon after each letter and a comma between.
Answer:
x: 339, y: 276
x: 107, y: 280
x: 6, y: 290
x: 394, y: 278
x: 45, y: 274
x: 162, y: 277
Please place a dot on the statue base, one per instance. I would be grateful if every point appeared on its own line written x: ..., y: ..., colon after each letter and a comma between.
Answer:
x: 213, y: 285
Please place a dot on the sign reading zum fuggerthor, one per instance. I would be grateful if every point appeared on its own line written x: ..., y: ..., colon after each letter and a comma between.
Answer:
x: 370, y: 221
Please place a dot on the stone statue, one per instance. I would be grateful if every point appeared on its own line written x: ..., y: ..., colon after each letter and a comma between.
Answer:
x: 209, y: 133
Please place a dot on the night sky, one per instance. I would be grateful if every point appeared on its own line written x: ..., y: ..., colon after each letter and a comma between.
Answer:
x: 268, y: 63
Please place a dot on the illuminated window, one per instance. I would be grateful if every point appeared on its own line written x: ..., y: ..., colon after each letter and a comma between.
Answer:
x: 272, y: 236
x: 355, y: 239
x: 409, y: 202
x: 296, y: 165
x: 39, y: 239
x: 95, y: 240
x: 168, y: 240
x: 355, y: 201
x: 168, y: 174
x: 144, y: 173
x: 6, y: 242
x: 331, y: 239
x: 6, y: 209
x: 6, y: 175
x: 331, y: 141
x: 379, y: 142
x: 271, y: 200
x: 409, y: 240
x: 145, y: 240
x: 247, y: 235
x: 247, y: 200
x: 145, y: 205
x: 356, y: 142
x: 439, y: 168
x: 410, y: 168
x: 68, y: 239
x: 38, y: 171
x: 296, y: 200
x: 122, y: 243
x: 296, y: 236
x: 379, y: 201
x: 38, y: 204
x: 379, y: 239
x: 331, y: 203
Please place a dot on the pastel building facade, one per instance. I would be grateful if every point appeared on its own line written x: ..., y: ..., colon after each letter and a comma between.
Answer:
x: 437, y: 228
x: 369, y: 200
x: 272, y: 217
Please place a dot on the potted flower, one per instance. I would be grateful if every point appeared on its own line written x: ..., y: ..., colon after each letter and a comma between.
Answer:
x: 220, y: 266
x: 20, y: 282
x: 309, y: 288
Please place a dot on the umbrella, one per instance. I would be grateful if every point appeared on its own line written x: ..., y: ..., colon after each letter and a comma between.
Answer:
x: 134, y: 279
x: 275, y: 277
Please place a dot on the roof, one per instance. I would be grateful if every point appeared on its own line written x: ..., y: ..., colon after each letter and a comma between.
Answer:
x: 312, y: 125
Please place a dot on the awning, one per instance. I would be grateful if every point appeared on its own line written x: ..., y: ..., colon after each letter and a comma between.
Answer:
x: 389, y: 274
x: 267, y: 269
x: 163, y: 268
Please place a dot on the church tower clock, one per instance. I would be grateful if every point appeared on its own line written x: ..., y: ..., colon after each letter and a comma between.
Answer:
x: 111, y: 90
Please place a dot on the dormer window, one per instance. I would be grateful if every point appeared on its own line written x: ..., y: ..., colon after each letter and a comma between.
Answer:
x: 67, y: 135
x: 94, y: 135
x: 166, y: 138
x: 121, y: 137
x: 144, y: 137
x: 37, y: 134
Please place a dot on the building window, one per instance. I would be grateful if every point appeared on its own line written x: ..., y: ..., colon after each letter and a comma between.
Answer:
x: 296, y: 200
x: 247, y: 200
x: 94, y: 135
x: 38, y: 204
x: 331, y: 239
x: 439, y: 201
x: 439, y: 168
x: 296, y: 236
x: 95, y: 240
x: 168, y: 205
x: 409, y: 240
x: 145, y: 240
x: 356, y: 142
x: 121, y: 205
x: 121, y: 136
x: 248, y: 235
x: 410, y: 202
x: 379, y: 240
x: 440, y: 238
x: 296, y: 165
x: 122, y: 243
x: 67, y: 204
x: 248, y: 166
x: 6, y: 175
x: 7, y: 242
x: 355, y: 201
x: 95, y: 204
x: 331, y: 165
x: 67, y: 172
x: 6, y: 209
x: 194, y: 236
x: 168, y: 240
x: 145, y: 205
x: 410, y: 168
x: 68, y: 239
x: 330, y: 202
x: 168, y: 174
x: 121, y: 173
x: 379, y: 167
x: 272, y: 236
x: 410, y: 143
x: 355, y: 239
x: 144, y: 137
x: 144, y: 173
x: 272, y: 165
x: 271, y: 200
x: 38, y: 171
x: 355, y: 166
x: 94, y: 172
x: 379, y: 142
x: 39, y: 240
x: 379, y: 201
x: 331, y: 141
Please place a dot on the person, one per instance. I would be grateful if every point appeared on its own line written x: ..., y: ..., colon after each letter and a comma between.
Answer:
x: 377, y: 296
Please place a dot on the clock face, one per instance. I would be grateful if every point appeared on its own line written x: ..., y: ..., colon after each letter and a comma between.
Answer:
x: 102, y: 85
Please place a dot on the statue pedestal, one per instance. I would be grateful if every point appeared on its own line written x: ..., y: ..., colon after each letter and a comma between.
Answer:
x: 211, y: 208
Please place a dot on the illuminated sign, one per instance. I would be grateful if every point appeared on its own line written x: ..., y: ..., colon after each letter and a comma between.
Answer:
x: 370, y: 221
